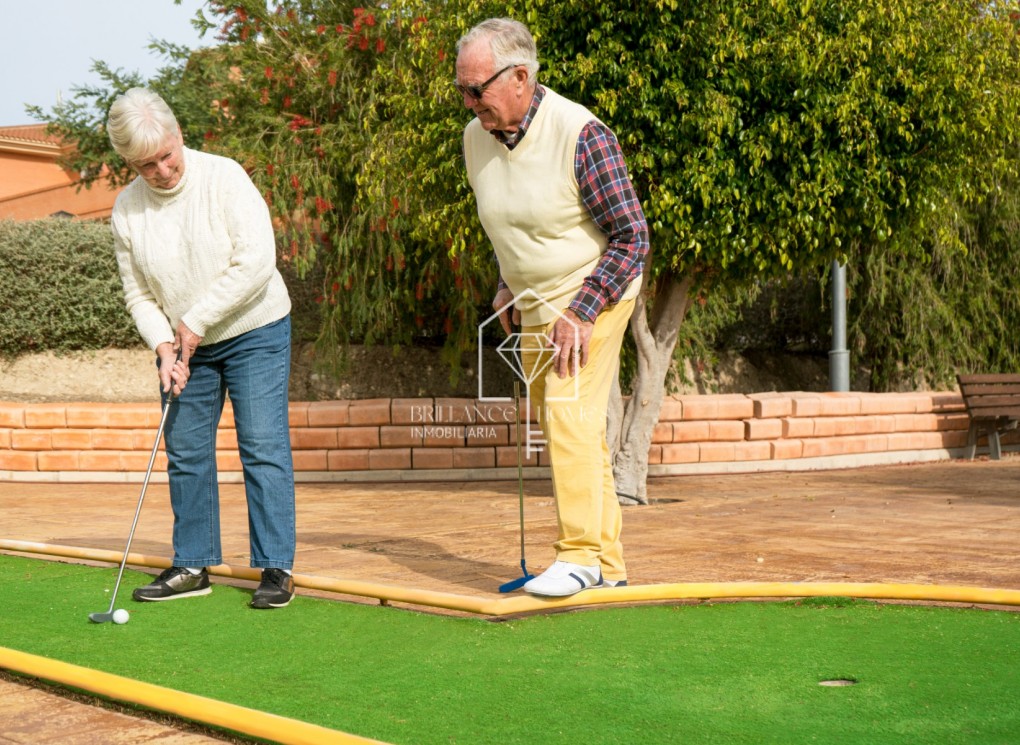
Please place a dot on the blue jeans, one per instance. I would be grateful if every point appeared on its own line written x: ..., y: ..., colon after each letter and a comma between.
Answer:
x: 254, y: 368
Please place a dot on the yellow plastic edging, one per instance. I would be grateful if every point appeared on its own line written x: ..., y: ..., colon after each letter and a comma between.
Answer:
x: 528, y: 604
x: 185, y: 705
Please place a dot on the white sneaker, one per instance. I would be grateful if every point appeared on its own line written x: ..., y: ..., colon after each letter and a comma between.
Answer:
x: 613, y: 583
x: 564, y: 578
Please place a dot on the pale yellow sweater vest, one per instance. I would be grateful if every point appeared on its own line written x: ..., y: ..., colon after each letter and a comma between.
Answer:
x: 530, y: 206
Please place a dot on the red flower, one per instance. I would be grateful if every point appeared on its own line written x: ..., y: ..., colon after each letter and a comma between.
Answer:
x: 363, y: 43
x: 320, y: 30
x: 332, y: 77
x: 380, y: 46
x: 269, y: 72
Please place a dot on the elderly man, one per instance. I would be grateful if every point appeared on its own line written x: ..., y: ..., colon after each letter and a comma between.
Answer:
x: 557, y: 203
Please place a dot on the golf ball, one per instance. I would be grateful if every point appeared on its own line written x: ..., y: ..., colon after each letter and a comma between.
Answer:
x: 121, y: 616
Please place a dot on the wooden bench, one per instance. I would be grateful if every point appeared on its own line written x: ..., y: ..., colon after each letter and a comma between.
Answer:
x: 993, y: 403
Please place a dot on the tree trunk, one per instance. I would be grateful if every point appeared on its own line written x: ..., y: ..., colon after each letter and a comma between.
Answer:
x: 632, y: 422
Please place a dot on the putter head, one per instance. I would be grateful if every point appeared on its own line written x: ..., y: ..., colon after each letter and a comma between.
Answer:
x: 100, y: 617
x: 515, y: 584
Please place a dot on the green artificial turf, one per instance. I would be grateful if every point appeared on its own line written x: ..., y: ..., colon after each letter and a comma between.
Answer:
x: 723, y: 673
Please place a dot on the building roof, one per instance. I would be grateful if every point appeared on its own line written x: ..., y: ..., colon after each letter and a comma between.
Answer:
x: 31, y: 139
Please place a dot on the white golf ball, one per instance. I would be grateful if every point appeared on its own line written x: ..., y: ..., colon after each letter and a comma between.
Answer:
x: 121, y: 616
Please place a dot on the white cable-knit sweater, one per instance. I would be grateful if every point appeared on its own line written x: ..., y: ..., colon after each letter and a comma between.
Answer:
x: 202, y: 252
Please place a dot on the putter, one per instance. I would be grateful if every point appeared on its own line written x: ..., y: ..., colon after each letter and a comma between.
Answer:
x: 519, y: 582
x: 108, y: 616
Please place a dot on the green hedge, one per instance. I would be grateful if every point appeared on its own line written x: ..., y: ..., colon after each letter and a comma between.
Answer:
x: 59, y: 288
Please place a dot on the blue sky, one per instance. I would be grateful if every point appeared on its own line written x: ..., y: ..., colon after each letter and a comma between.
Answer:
x: 47, y: 46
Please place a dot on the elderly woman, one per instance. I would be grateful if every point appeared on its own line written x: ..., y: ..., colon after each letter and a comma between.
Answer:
x: 197, y: 259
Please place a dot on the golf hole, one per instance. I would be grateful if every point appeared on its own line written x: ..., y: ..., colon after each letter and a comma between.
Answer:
x: 838, y: 682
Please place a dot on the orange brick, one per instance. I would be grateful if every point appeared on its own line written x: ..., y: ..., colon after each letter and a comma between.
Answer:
x: 946, y: 422
x: 786, y: 449
x: 725, y: 431
x: 228, y: 462
x: 915, y: 441
x: 5, y: 439
x: 495, y: 413
x: 12, y: 460
x: 134, y: 416
x: 135, y: 461
x: 794, y: 427
x: 456, y: 411
x: 120, y: 439
x: 426, y: 458
x: 12, y: 415
x: 839, y: 404
x: 763, y: 429
x: 87, y: 416
x: 489, y: 434
x: 31, y: 439
x: 854, y: 444
x: 506, y: 457
x: 311, y: 460
x: 347, y: 460
x: 947, y: 402
x: 474, y: 458
x: 328, y: 413
x: 544, y: 459
x: 886, y: 403
x: 662, y: 432
x: 759, y: 450
x: 690, y: 431
x: 226, y: 439
x: 959, y: 439
x: 412, y: 410
x: 324, y: 438
x: 443, y: 435
x: 58, y: 460
x: 390, y: 459
x: 142, y: 440
x: 869, y: 425
x: 699, y: 407
x: 672, y: 409
x: 46, y: 415
x: 71, y: 439
x: 734, y: 406
x: 371, y: 411
x: 770, y: 405
x: 680, y: 453
x: 297, y: 413
x: 717, y: 452
x: 805, y: 404
x: 834, y: 426
x: 655, y: 455
x: 108, y: 460
x: 395, y: 436
x: 357, y: 437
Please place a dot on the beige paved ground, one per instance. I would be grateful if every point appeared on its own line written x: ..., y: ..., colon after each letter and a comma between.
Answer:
x: 943, y: 523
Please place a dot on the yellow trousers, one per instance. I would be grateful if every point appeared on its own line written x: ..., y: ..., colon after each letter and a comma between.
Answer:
x: 572, y: 415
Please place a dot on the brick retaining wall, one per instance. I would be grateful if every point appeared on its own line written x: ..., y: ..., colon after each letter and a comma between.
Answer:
x: 410, y: 439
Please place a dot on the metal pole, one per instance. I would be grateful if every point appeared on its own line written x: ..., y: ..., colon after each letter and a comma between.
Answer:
x: 839, y: 356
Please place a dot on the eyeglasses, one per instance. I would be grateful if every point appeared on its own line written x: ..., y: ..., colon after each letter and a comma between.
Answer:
x: 477, y: 91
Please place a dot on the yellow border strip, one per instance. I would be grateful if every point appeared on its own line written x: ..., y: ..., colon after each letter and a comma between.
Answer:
x: 522, y: 603
x: 184, y: 705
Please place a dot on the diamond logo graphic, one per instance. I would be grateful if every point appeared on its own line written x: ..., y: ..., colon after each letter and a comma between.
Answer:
x: 511, y: 350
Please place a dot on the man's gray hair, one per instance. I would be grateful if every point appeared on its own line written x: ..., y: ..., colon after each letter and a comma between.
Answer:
x: 138, y: 124
x: 510, y: 41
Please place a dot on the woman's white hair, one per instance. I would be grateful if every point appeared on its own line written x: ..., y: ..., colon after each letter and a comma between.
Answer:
x: 510, y: 41
x: 139, y: 123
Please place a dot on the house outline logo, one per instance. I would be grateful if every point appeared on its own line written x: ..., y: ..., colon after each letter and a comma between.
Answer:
x: 509, y: 351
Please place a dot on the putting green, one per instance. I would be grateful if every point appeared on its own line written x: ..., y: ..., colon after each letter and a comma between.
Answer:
x: 709, y: 673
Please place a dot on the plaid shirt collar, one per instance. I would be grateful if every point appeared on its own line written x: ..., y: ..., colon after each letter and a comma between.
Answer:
x: 513, y: 139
